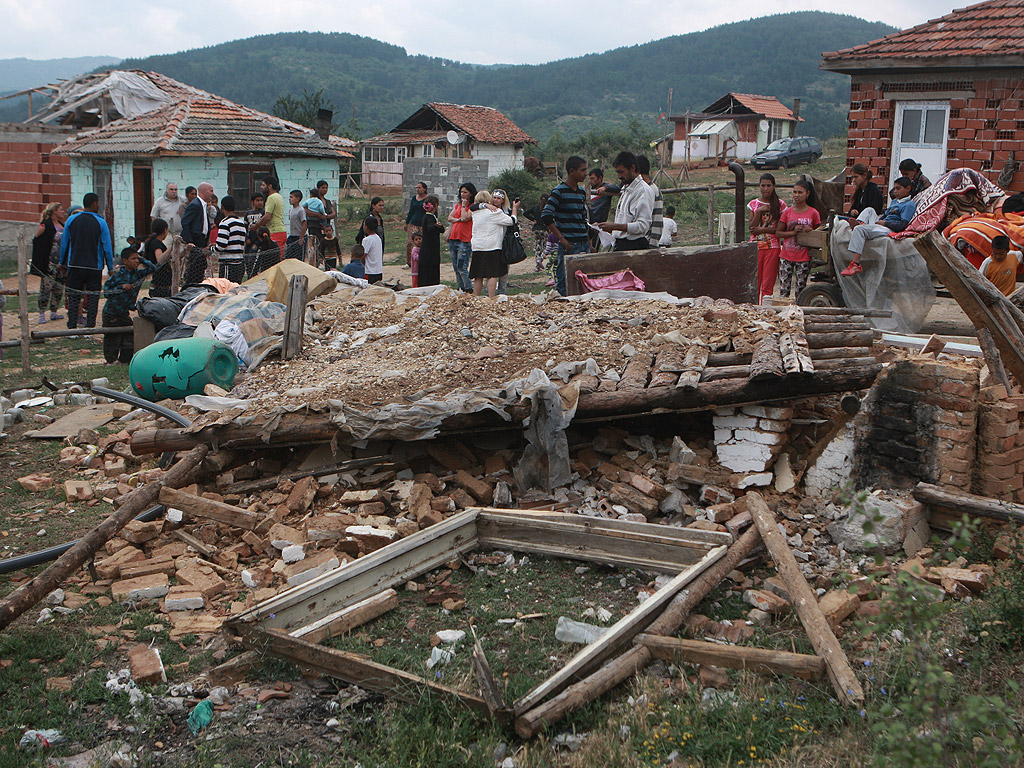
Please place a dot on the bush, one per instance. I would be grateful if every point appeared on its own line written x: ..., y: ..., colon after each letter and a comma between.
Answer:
x: 522, y: 185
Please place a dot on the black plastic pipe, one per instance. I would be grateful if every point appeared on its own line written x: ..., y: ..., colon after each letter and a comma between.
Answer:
x: 741, y: 200
x: 138, y: 402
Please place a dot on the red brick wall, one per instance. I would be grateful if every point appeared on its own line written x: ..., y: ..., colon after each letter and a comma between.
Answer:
x: 32, y: 177
x: 982, y: 129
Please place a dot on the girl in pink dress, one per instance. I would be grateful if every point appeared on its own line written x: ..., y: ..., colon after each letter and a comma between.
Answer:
x: 765, y: 212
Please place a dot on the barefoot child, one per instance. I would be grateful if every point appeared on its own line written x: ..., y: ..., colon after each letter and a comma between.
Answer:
x: 1001, y: 267
x: 764, y: 221
x: 795, y: 260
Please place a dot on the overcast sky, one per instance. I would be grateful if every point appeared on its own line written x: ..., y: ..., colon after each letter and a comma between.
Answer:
x: 523, y: 31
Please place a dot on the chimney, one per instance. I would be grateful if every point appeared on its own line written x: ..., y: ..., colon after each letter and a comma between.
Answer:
x: 324, y: 117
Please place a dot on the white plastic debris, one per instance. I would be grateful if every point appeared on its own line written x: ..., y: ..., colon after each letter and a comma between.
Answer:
x: 570, y: 631
x: 439, y: 655
x: 450, y: 636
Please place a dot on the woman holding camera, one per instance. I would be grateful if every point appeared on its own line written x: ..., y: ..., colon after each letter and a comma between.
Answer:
x: 490, y: 221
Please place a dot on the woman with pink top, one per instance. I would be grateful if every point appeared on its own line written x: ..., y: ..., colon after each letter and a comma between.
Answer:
x: 765, y: 212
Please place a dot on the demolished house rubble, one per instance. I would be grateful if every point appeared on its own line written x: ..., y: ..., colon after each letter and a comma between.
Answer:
x: 422, y: 432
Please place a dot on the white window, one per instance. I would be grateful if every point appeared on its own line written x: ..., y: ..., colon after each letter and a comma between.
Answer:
x: 776, y: 130
x: 428, y: 150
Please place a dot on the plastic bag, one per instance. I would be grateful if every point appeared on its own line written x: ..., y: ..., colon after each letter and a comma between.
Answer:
x: 231, y: 334
x: 624, y: 281
x: 200, y: 717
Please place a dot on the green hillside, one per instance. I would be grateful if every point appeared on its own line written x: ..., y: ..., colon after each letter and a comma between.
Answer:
x: 379, y: 84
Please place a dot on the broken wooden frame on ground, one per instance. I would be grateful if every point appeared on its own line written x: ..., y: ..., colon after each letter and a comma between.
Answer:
x: 293, y: 624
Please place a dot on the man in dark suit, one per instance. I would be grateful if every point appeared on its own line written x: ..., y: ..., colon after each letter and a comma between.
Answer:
x: 195, y: 222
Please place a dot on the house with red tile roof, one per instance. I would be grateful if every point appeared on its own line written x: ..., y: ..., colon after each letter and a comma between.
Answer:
x: 737, y: 125
x: 138, y: 131
x: 442, y: 130
x: 948, y: 93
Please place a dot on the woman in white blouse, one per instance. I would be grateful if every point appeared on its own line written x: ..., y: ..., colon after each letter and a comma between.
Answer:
x: 489, y: 225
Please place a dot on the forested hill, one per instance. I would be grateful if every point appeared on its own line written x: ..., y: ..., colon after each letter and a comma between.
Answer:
x: 380, y: 84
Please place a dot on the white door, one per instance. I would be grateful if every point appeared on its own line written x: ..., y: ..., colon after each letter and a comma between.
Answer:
x: 921, y: 131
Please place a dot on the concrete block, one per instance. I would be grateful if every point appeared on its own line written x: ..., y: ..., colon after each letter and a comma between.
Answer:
x: 762, y: 438
x: 184, y: 598
x: 734, y: 422
x: 140, y: 588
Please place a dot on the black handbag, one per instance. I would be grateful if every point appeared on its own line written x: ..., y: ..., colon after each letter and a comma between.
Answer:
x: 512, y: 250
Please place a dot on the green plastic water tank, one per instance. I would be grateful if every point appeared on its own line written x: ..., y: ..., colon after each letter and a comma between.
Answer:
x: 181, y: 367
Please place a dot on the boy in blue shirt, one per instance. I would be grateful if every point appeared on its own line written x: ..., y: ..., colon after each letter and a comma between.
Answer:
x: 895, y: 219
x: 122, y: 291
x: 355, y: 267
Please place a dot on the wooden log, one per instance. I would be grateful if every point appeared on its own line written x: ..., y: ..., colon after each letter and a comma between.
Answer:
x: 743, y: 371
x: 968, y: 504
x: 30, y: 593
x: 718, y: 359
x: 26, y: 365
x: 766, y: 362
x: 262, y: 483
x: 804, y: 602
x: 295, y: 429
x: 621, y: 632
x: 693, y: 366
x: 992, y: 357
x: 295, y: 317
x: 343, y: 621
x: 197, y: 506
x: 529, y: 723
x: 968, y: 287
x: 586, y: 382
x: 97, y: 331
x: 637, y: 371
x: 837, y: 327
x: 840, y: 339
x: 763, y: 661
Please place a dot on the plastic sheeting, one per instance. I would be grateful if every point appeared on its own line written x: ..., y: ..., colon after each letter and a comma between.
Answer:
x: 545, y: 460
x: 895, y: 278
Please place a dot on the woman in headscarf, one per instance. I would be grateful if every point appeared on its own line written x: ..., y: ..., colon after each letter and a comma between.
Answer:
x: 489, y: 225
x: 51, y: 224
x: 169, y: 207
x: 430, y: 248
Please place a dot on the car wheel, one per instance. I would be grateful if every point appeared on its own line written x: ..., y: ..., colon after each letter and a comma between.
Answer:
x: 815, y: 158
x: 784, y: 163
x: 821, y: 295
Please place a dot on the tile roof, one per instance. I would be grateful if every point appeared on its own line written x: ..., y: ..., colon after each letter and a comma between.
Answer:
x: 768, y: 106
x: 408, y: 137
x: 197, y: 122
x: 480, y: 123
x: 982, y: 31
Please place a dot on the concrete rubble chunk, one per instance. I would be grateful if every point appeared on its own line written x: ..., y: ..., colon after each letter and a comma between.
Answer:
x: 293, y: 553
x: 887, y: 533
x: 680, y: 452
x: 184, y: 598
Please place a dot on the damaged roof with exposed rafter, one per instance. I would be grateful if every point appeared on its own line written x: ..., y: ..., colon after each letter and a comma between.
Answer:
x: 485, y: 124
x: 196, y: 122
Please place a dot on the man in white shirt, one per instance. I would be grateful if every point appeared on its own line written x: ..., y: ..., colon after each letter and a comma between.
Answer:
x: 634, y: 213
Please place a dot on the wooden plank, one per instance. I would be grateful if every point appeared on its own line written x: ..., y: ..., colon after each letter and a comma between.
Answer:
x: 26, y: 337
x: 993, y: 359
x: 761, y: 660
x: 387, y: 567
x: 295, y: 317
x: 804, y: 602
x: 621, y: 632
x: 686, y: 536
x: 199, y: 546
x: 346, y: 619
x: 197, y: 506
x: 357, y: 670
x: 234, y: 670
x: 488, y: 687
x: 766, y: 362
x: 637, y: 371
x: 86, y: 417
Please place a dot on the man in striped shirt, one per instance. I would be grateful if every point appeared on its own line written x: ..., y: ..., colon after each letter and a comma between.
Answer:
x: 230, y: 244
x: 565, y: 215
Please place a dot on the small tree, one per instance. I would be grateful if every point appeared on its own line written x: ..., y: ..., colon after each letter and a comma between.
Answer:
x: 303, y: 109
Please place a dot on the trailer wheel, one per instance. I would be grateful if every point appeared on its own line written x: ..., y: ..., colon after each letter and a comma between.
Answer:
x: 821, y: 295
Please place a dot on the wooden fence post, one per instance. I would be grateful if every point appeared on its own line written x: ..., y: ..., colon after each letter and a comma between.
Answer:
x: 711, y: 214
x: 295, y: 317
x: 26, y: 365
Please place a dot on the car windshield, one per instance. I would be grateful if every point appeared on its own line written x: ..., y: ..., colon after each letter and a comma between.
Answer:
x: 779, y: 144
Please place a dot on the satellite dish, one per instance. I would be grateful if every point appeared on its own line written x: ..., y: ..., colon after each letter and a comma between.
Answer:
x: 453, y: 137
x: 764, y: 125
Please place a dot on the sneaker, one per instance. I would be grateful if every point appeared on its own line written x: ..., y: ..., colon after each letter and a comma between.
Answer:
x: 56, y: 316
x: 549, y: 283
x: 854, y: 269
x: 42, y: 318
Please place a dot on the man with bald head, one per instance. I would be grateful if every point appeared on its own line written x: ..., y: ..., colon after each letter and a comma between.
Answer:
x: 169, y: 207
x: 195, y: 223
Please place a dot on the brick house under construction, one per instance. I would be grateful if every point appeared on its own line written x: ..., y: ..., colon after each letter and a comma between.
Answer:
x: 948, y: 93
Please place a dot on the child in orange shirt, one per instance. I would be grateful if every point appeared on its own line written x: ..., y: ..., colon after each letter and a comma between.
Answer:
x: 1001, y: 267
